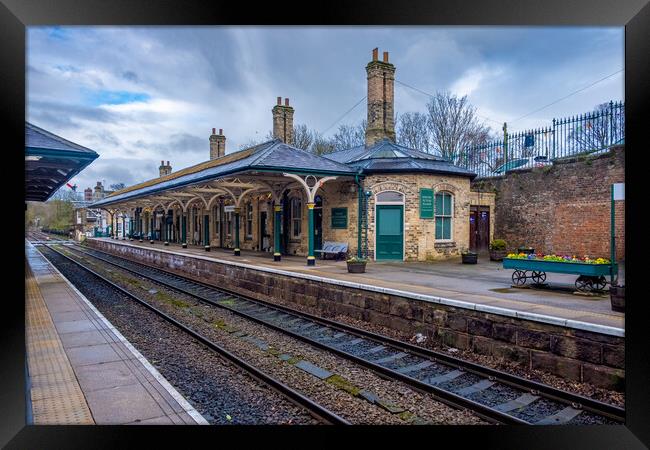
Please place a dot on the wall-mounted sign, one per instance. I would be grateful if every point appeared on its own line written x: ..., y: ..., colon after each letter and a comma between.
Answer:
x: 229, y: 208
x: 339, y: 218
x: 426, y: 203
x: 619, y: 191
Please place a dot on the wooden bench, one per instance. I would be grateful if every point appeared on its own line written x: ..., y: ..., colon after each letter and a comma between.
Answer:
x: 337, y: 249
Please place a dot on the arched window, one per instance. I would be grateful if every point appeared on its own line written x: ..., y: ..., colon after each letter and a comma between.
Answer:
x: 296, y: 217
x: 444, y: 214
x: 390, y: 197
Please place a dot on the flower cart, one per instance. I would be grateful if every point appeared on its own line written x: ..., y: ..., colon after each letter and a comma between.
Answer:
x: 591, y: 273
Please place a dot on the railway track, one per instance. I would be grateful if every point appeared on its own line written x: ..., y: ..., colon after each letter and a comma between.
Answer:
x: 497, y: 396
x: 316, y: 410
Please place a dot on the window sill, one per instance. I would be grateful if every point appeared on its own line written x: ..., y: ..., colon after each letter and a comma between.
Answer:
x: 444, y: 244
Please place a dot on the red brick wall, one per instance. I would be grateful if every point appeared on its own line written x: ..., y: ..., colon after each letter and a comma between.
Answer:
x: 561, y: 209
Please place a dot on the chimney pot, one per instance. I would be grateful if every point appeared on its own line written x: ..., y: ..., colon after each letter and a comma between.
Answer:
x: 162, y: 163
x: 213, y: 131
x: 375, y: 54
x: 286, y: 102
x: 167, y: 162
x: 220, y: 131
x: 385, y: 57
x: 279, y: 101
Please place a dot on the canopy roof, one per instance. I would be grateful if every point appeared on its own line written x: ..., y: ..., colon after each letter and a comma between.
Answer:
x: 50, y: 161
x: 272, y: 156
x: 386, y: 156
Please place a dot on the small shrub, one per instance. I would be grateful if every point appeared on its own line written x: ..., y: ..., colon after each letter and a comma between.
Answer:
x: 498, y: 244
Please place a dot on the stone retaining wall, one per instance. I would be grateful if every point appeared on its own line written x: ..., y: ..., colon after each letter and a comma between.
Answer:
x: 570, y: 353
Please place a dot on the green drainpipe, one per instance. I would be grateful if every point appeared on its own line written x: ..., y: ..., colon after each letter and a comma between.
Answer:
x: 360, y: 207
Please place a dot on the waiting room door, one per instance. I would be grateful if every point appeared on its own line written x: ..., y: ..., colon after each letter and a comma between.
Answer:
x: 390, y: 232
x: 479, y: 228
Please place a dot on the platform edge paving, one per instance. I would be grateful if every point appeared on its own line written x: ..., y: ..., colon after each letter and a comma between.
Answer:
x: 106, y: 326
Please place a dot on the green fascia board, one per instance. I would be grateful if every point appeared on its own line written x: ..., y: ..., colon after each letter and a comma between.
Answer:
x: 37, y: 151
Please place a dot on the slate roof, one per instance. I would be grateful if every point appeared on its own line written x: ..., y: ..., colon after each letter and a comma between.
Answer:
x: 38, y: 138
x: 272, y: 155
x: 50, y: 161
x: 385, y: 156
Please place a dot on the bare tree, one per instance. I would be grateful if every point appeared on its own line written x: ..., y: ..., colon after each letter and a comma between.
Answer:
x: 348, y: 136
x: 454, y: 126
x: 303, y: 137
x: 413, y: 131
x: 598, y: 129
x: 322, y: 145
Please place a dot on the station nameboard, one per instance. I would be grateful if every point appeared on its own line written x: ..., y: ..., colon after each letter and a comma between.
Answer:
x: 426, y: 203
x: 339, y: 218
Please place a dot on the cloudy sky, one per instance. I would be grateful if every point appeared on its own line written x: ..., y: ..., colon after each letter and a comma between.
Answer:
x: 137, y: 95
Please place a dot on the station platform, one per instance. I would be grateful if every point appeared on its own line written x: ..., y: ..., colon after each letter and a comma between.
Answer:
x: 81, y: 370
x: 450, y: 282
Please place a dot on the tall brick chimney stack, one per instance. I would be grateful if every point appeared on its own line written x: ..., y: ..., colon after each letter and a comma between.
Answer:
x: 88, y: 195
x: 283, y: 121
x: 165, y: 169
x: 217, y: 144
x: 381, y: 99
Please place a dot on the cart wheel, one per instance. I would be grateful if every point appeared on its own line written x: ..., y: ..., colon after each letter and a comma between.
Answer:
x: 519, y: 277
x: 584, y: 283
x: 599, y: 283
x: 538, y: 277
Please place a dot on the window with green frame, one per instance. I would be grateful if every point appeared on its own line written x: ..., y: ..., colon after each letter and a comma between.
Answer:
x: 443, y: 211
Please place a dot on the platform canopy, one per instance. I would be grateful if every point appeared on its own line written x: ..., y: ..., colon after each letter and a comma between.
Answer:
x: 271, y: 166
x: 50, y: 161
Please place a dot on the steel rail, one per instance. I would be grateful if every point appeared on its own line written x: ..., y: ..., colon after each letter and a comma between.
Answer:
x: 294, y: 396
x: 567, y: 398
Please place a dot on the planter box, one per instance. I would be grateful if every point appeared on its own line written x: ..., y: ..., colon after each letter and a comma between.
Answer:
x: 470, y: 258
x: 356, y: 267
x: 498, y: 255
x: 617, y: 297
x: 592, y: 270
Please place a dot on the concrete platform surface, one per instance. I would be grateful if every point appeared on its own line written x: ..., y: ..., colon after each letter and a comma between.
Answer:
x: 485, y: 283
x: 81, y: 369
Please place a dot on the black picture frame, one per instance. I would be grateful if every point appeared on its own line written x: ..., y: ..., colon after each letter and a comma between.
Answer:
x: 15, y: 15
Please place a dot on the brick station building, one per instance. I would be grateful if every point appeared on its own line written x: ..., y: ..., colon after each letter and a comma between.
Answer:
x: 383, y: 200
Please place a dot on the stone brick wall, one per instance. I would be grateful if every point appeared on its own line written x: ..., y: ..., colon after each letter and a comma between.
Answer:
x: 570, y: 353
x: 562, y: 209
x: 419, y: 234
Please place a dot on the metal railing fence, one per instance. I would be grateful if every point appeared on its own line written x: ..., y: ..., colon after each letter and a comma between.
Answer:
x: 588, y: 133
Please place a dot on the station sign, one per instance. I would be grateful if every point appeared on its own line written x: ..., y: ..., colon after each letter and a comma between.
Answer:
x: 619, y: 191
x: 339, y: 218
x: 426, y: 203
x: 229, y: 208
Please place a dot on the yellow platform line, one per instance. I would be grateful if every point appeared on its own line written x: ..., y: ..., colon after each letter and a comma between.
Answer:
x: 55, y: 393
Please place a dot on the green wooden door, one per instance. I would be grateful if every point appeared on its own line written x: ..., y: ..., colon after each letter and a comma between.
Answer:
x: 390, y: 232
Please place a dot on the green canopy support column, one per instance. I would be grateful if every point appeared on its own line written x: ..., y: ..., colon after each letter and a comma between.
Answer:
x: 277, y: 222
x: 184, y: 230
x: 166, y: 227
x: 140, y: 224
x: 151, y: 236
x: 206, y: 232
x: 237, y: 249
x: 311, y: 259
